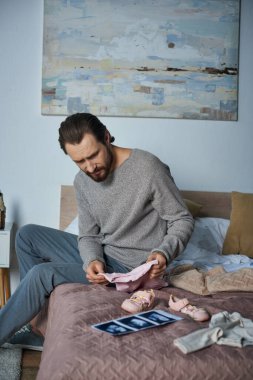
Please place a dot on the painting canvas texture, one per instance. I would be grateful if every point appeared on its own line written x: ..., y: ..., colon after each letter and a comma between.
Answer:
x: 145, y: 58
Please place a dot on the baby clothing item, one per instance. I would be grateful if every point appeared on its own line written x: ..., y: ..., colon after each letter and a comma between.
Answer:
x: 183, y: 305
x: 138, y: 278
x: 225, y: 328
x: 140, y: 301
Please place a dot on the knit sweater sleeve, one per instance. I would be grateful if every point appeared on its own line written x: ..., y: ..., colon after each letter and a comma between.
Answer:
x: 167, y: 201
x: 90, y: 238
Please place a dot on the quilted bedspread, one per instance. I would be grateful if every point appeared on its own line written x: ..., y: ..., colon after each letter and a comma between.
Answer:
x: 73, y: 350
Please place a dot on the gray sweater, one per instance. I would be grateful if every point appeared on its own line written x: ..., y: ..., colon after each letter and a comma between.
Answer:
x: 135, y: 211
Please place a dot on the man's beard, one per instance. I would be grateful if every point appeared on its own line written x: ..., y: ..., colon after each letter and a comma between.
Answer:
x: 101, y: 173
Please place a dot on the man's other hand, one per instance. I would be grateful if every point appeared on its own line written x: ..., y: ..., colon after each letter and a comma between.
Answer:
x: 93, y: 270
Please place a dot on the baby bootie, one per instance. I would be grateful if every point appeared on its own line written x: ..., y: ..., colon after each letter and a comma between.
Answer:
x: 183, y: 305
x: 139, y: 301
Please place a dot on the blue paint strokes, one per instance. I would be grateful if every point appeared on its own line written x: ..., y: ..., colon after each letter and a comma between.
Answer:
x: 70, y: 33
x: 157, y: 96
x: 174, y: 38
x: 60, y: 93
x: 81, y: 74
x: 73, y: 3
x: 64, y: 3
x: 229, y: 18
x: 228, y: 105
x: 75, y: 105
x: 210, y: 87
x: 77, y: 3
x: 156, y: 58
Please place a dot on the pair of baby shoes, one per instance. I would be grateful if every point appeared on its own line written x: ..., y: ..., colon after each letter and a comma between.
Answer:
x: 143, y: 300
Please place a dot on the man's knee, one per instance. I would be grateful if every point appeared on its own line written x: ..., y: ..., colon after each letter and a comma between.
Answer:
x: 25, y: 235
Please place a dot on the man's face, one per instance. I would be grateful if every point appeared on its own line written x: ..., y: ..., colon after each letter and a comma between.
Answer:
x: 92, y: 157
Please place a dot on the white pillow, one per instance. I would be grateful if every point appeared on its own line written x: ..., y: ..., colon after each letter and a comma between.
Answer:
x: 205, y: 245
x: 73, y: 227
x: 217, y: 227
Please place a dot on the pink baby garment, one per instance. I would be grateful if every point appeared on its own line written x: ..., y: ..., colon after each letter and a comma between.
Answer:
x: 138, y: 278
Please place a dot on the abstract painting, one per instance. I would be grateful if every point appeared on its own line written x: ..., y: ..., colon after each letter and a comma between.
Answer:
x: 145, y: 58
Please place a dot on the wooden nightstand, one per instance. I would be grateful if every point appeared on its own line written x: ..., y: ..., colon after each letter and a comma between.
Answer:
x: 5, y: 253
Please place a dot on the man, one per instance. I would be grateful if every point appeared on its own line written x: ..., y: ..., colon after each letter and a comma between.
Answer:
x: 130, y: 212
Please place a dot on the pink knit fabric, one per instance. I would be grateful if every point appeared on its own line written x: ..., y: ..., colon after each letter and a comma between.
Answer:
x: 138, y: 278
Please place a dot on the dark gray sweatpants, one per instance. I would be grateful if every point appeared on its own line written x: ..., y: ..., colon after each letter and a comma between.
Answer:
x: 47, y: 257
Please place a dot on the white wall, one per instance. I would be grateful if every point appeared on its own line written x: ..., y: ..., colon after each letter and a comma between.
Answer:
x: 203, y: 155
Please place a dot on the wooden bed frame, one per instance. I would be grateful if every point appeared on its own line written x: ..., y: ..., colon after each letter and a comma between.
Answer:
x: 214, y: 204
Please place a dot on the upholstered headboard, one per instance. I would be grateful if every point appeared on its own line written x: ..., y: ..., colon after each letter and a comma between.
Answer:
x: 215, y: 204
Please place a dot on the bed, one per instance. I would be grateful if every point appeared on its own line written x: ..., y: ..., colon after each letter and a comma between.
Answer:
x: 73, y: 350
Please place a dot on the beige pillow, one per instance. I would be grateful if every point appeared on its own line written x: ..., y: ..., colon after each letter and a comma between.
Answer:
x: 239, y: 237
x: 193, y: 207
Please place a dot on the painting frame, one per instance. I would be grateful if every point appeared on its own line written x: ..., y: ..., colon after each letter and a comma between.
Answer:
x: 163, y: 59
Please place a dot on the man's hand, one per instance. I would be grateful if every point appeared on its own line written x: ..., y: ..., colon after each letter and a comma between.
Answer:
x: 92, y: 271
x: 157, y: 270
